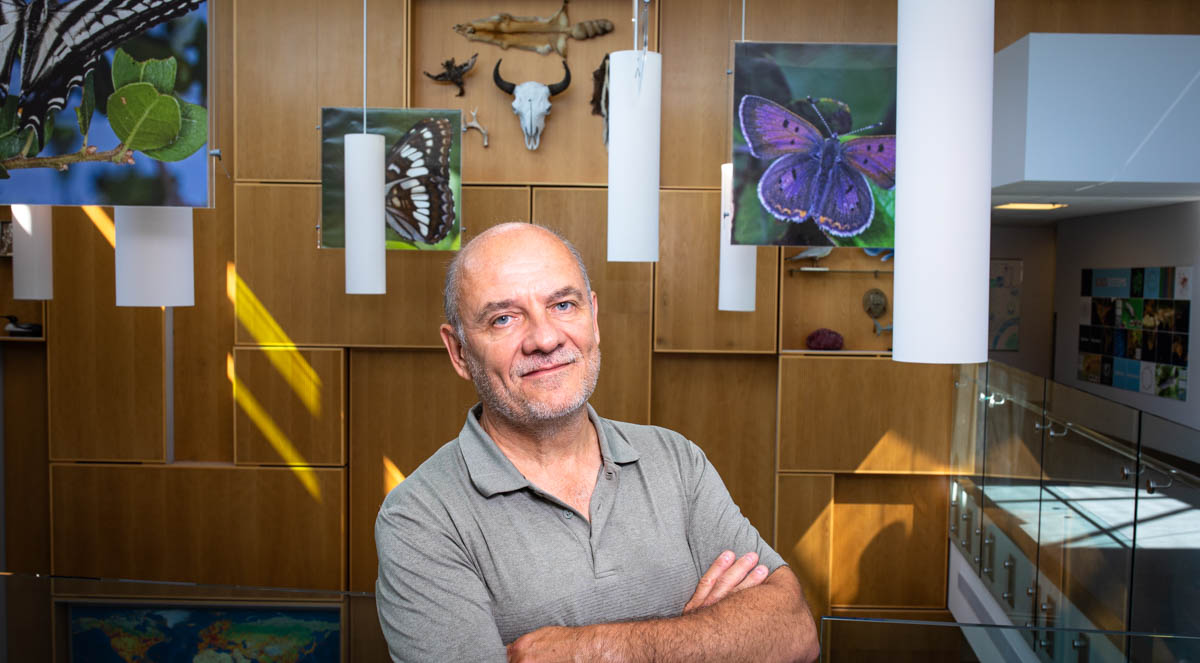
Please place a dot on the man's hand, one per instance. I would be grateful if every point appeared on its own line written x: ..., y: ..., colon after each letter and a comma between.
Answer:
x: 725, y: 577
x: 549, y: 644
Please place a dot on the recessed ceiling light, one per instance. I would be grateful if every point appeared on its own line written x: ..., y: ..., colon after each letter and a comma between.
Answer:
x: 1030, y: 206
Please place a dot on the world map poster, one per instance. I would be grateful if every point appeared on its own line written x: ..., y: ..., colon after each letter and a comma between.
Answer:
x: 132, y: 633
x: 1134, y: 327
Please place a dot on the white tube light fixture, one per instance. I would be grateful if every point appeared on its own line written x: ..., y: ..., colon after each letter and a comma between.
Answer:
x: 943, y: 180
x: 33, y: 252
x: 153, y: 256
x: 363, y: 214
x: 634, y: 120
x: 738, y: 264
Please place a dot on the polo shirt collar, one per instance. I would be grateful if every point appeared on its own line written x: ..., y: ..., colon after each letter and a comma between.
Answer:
x: 493, y: 473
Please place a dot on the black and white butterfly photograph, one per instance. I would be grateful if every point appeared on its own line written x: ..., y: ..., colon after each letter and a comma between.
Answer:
x: 423, y: 180
x: 104, y: 102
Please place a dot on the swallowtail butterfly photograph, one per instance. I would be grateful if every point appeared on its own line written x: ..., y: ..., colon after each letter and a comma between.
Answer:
x: 814, y: 145
x: 423, y: 180
x: 104, y: 102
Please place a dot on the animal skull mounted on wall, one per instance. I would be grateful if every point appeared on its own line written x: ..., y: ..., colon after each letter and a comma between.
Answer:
x: 531, y: 102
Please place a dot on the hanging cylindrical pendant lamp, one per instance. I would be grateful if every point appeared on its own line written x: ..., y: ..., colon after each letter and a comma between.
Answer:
x: 943, y: 180
x: 738, y: 264
x: 153, y: 256
x: 634, y: 118
x: 33, y: 252
x: 364, y: 224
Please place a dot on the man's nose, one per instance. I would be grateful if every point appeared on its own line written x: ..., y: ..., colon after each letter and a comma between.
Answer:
x: 542, y: 335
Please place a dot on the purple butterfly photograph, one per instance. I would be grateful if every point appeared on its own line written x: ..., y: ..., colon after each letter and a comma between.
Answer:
x: 804, y: 173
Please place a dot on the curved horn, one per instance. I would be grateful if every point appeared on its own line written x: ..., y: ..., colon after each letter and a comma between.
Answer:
x: 500, y: 82
x: 562, y: 85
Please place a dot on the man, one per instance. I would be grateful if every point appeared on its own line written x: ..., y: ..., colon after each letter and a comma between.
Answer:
x: 547, y: 533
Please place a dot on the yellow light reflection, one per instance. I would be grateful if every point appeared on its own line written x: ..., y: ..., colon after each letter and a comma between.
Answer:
x: 103, y: 223
x: 283, y: 446
x: 298, y: 373
x: 392, y: 476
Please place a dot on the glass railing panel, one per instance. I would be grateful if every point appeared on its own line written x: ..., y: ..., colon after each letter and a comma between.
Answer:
x: 1089, y: 499
x: 1166, y: 589
x: 966, y: 457
x: 861, y: 640
x: 1011, y: 488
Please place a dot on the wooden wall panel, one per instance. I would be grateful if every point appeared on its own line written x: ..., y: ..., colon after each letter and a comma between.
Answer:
x: 404, y: 405
x: 105, y: 364
x: 303, y: 287
x: 889, y: 541
x: 1016, y: 18
x: 624, y: 292
x: 726, y: 405
x: 303, y: 392
x: 696, y: 91
x: 366, y: 637
x: 803, y: 534
x: 212, y: 525
x: 295, y: 56
x: 685, y: 293
x: 26, y: 469
x: 572, y: 146
x: 854, y: 21
x: 204, y: 333
x: 833, y: 299
x: 29, y: 627
x: 852, y: 642
x: 855, y: 414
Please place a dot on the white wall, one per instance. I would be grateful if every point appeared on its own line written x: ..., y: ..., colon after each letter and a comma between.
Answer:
x: 1159, y: 236
x: 1034, y: 247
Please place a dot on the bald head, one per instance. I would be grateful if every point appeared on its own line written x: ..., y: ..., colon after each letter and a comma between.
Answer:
x: 498, y: 241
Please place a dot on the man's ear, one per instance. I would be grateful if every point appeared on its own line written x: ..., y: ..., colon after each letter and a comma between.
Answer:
x: 455, y: 349
x: 595, y: 316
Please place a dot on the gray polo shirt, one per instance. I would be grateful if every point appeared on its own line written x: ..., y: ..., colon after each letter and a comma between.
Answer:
x: 472, y: 555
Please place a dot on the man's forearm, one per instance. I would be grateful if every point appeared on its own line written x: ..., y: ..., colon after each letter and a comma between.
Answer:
x: 770, y: 622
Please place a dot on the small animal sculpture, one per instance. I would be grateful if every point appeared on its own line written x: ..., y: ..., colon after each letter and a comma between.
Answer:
x: 531, y: 102
x: 17, y: 328
x: 453, y: 73
x: 883, y: 254
x: 813, y: 253
x: 533, y: 33
x: 879, y: 329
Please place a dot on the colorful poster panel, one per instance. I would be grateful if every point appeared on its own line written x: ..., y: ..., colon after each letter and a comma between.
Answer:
x: 1004, y: 305
x: 1134, y: 329
x: 134, y: 632
x: 423, y: 181
x: 113, y: 108
x: 814, y: 145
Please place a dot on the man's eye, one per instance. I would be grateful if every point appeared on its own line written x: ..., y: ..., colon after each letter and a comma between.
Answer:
x: 501, y: 320
x: 564, y: 306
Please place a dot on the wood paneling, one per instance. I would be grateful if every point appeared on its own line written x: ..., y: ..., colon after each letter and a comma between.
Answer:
x: 28, y: 625
x: 105, y: 364
x: 26, y: 310
x: 572, y: 145
x: 204, y: 332
x: 696, y: 90
x: 803, y: 534
x: 26, y: 470
x: 303, y: 288
x: 852, y: 642
x: 296, y: 56
x: 206, y: 524
x: 854, y: 414
x: 624, y: 293
x: 726, y: 405
x: 366, y: 637
x: 1016, y: 18
x: 889, y: 541
x: 404, y: 405
x: 854, y: 21
x: 303, y: 392
x: 685, y: 293
x: 811, y: 300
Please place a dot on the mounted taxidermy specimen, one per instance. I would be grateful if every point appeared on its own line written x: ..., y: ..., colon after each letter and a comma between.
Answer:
x: 533, y: 33
x: 453, y: 73
x: 600, y: 94
x: 531, y: 102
